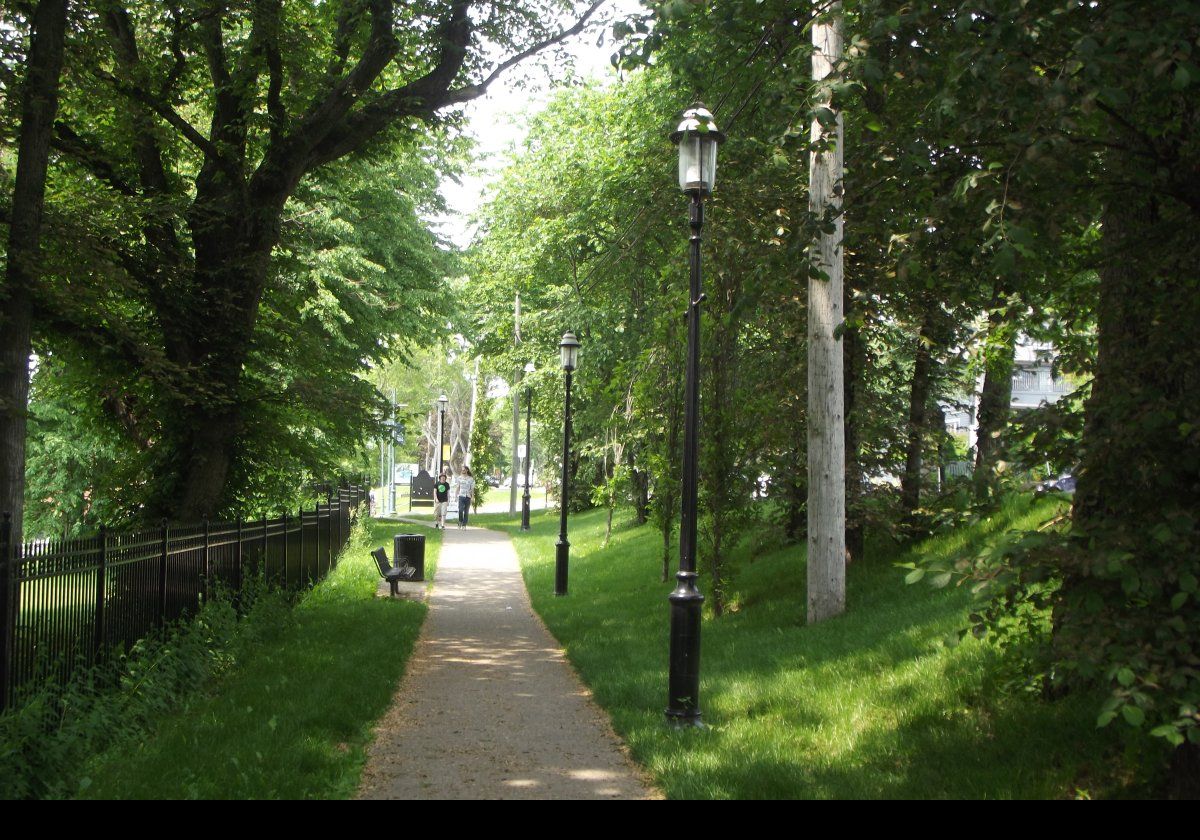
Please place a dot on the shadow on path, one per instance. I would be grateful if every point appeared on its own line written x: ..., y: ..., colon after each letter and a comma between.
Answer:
x: 489, y: 708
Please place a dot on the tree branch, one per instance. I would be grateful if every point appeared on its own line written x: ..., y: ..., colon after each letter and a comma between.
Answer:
x: 91, y: 156
x: 431, y: 92
x: 228, y: 126
x: 165, y: 111
x: 264, y: 39
x: 348, y: 19
x: 465, y: 94
x: 174, y: 46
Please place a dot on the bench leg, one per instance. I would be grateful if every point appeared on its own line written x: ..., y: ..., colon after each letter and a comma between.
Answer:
x: 395, y: 588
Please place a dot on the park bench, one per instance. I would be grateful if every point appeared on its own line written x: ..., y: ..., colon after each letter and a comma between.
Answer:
x: 392, y: 574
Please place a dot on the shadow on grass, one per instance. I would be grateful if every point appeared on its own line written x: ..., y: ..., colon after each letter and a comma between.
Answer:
x: 292, y: 721
x: 869, y: 705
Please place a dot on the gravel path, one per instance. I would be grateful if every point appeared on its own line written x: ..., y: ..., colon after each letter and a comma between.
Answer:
x: 489, y: 707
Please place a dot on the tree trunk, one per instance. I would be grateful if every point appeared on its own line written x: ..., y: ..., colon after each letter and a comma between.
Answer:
x: 855, y: 361
x: 1113, y: 483
x: 641, y: 495
x: 995, y: 400
x: 230, y: 278
x: 795, y: 512
x: 918, y: 406
x: 38, y: 109
x: 1135, y: 505
x: 826, y: 438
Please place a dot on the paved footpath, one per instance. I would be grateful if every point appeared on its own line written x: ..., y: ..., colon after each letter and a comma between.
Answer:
x: 489, y: 707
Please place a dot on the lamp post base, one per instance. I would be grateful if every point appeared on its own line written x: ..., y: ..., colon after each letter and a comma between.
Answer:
x: 683, y: 701
x: 525, y: 511
x: 562, y: 550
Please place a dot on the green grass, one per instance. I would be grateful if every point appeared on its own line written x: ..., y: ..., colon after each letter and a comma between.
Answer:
x: 293, y: 720
x: 869, y: 705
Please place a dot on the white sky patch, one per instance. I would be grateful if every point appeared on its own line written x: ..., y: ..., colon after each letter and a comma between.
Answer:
x: 499, y: 120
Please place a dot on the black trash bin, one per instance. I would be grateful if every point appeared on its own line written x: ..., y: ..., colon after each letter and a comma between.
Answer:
x: 409, y: 550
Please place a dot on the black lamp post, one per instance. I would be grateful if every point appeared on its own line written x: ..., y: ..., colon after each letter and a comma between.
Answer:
x: 442, y: 400
x: 528, y: 413
x: 570, y: 354
x: 697, y: 138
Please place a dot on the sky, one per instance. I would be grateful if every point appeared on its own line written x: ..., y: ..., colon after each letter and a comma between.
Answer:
x: 497, y: 121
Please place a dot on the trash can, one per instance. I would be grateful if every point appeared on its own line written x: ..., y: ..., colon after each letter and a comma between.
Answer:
x: 409, y: 550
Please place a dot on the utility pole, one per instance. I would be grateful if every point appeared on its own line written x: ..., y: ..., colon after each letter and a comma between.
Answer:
x: 383, y: 462
x: 515, y: 392
x: 391, y: 485
x: 474, y: 403
x: 826, y: 389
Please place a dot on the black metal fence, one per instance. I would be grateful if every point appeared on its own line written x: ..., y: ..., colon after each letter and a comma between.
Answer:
x: 70, y: 604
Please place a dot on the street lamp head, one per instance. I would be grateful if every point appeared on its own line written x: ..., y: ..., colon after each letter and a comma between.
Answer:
x: 529, y: 368
x: 697, y: 137
x: 443, y: 399
x: 570, y: 351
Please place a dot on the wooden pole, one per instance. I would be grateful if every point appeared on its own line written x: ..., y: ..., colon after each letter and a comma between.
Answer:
x: 826, y: 394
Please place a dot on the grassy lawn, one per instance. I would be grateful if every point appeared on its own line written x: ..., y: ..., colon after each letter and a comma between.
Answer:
x: 293, y: 719
x: 871, y: 704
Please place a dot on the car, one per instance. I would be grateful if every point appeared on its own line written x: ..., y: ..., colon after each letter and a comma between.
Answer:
x: 1065, y: 483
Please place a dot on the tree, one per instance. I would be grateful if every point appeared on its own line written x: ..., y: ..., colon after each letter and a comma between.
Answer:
x: 285, y: 89
x: 1096, y: 103
x: 39, y: 107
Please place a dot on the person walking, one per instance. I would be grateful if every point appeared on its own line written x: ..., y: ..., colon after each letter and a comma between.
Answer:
x: 441, y: 501
x: 466, y: 493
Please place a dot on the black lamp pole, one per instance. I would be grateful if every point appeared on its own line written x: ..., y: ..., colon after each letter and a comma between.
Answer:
x: 697, y: 138
x: 562, y: 549
x: 525, y: 495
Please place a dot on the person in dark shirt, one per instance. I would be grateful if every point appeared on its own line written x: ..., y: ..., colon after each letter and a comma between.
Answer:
x: 441, y: 499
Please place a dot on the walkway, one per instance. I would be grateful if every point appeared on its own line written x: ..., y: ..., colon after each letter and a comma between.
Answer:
x: 489, y: 708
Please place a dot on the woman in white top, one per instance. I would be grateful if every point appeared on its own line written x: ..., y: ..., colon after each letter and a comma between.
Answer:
x: 466, y: 492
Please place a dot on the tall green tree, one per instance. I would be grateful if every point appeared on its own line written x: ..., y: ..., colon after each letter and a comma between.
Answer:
x: 39, y: 107
x: 201, y: 120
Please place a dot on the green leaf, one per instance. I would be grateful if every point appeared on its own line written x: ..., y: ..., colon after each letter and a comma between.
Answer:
x: 825, y: 116
x: 1125, y: 677
x: 1105, y: 719
x: 1004, y: 262
x: 1161, y: 532
x: 1133, y: 715
x: 1170, y: 732
x: 939, y: 581
x: 914, y: 576
x: 1179, y: 600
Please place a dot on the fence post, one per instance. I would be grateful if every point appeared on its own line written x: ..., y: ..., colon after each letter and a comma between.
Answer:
x: 321, y: 547
x: 207, y: 562
x: 300, y: 520
x: 237, y: 558
x: 162, y: 574
x: 328, y: 532
x: 8, y: 618
x: 285, y: 551
x: 264, y: 546
x: 333, y: 556
x: 101, y: 575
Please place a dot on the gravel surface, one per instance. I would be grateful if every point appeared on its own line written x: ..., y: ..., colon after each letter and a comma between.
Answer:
x: 489, y: 707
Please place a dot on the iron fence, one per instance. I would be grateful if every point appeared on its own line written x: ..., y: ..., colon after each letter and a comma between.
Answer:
x: 71, y: 604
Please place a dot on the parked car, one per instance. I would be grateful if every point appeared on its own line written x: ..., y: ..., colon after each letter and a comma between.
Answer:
x: 1065, y: 483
